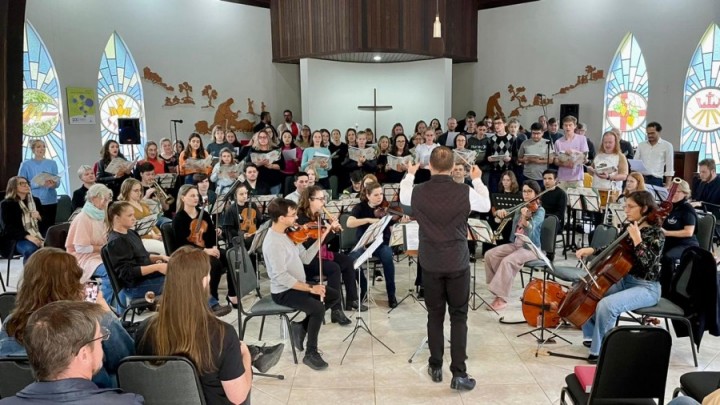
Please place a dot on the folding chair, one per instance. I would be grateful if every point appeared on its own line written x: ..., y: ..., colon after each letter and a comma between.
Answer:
x: 161, y: 379
x: 15, y: 374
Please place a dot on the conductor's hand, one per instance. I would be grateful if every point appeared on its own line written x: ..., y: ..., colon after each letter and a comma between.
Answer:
x: 584, y: 252
x: 475, y: 172
x: 413, y: 168
x: 318, y: 289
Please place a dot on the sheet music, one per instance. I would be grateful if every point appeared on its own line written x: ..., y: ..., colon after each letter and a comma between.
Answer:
x: 617, y: 211
x: 318, y: 158
x: 41, y: 178
x: 355, y: 153
x: 199, y: 164
x: 391, y: 192
x: 394, y: 161
x: 582, y: 198
x: 372, y: 236
x: 290, y: 154
x: 450, y: 141
x: 272, y: 156
x: 536, y: 250
x: 259, y: 237
x: 638, y: 166
x: 228, y: 171
x: 480, y: 230
x: 411, y: 235
x: 145, y: 224
x: 166, y: 180
x: 466, y: 156
x: 577, y: 158
x: 118, y: 165
x: 505, y: 200
x: 397, y: 235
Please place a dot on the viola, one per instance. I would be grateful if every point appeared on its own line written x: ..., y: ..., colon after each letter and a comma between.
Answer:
x: 302, y: 233
x: 249, y: 215
x: 198, y: 227
x: 614, y: 263
x: 384, y: 209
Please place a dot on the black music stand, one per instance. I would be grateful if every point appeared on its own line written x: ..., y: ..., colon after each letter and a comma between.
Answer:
x: 480, y: 231
x: 410, y: 243
x: 145, y: 224
x: 541, y: 339
x: 370, y: 241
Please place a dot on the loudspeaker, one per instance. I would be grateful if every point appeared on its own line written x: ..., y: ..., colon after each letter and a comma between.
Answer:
x: 569, y: 109
x: 129, y: 131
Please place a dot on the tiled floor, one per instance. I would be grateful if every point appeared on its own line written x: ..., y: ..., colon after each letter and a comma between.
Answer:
x: 506, y: 367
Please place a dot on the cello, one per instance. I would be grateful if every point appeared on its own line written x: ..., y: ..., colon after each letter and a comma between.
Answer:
x: 606, y: 269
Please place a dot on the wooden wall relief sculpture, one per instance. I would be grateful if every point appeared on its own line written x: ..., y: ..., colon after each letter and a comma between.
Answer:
x: 225, y: 116
x: 211, y: 95
x: 592, y: 74
x: 155, y: 78
x: 186, y: 88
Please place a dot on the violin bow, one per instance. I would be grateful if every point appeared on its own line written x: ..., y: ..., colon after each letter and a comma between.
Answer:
x: 320, y: 260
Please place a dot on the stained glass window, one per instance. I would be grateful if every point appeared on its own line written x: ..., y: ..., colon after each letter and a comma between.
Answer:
x: 626, y: 92
x: 42, y: 106
x: 701, y: 99
x: 120, y: 93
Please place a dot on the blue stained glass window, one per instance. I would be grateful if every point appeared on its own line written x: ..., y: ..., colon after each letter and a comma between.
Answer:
x: 42, y: 106
x: 120, y: 94
x: 626, y: 92
x: 701, y: 99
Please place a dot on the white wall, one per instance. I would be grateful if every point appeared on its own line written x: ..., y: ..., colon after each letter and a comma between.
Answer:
x: 332, y: 91
x: 198, y: 41
x: 544, y: 45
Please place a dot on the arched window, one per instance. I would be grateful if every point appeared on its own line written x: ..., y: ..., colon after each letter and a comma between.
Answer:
x: 701, y: 99
x: 626, y: 92
x: 120, y: 94
x: 42, y: 106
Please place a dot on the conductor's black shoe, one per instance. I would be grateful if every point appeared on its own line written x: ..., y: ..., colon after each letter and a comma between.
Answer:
x: 592, y: 359
x: 297, y: 335
x: 221, y: 310
x: 268, y: 357
x: 392, y: 302
x: 435, y: 373
x: 313, y: 360
x: 421, y: 293
x: 466, y: 383
x: 338, y: 316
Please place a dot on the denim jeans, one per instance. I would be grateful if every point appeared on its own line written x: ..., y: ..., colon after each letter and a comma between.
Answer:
x: 106, y: 288
x: 385, y: 255
x: 154, y: 284
x: 26, y: 249
x: 628, y: 294
x: 276, y: 189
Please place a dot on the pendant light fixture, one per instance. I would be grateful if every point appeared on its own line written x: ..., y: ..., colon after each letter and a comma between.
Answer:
x: 437, y: 27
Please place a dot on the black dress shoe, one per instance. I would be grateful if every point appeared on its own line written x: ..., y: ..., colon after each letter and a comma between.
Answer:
x: 297, y: 335
x: 435, y: 373
x: 235, y: 305
x: 587, y: 343
x: 392, y: 302
x: 221, y: 310
x: 421, y: 293
x: 353, y: 305
x: 466, y: 383
x: 592, y: 359
x: 338, y: 316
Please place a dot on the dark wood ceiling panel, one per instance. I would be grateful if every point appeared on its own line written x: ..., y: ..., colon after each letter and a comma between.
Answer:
x: 485, y: 4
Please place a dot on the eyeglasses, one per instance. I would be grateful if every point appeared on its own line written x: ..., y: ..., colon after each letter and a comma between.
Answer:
x: 262, y: 137
x: 528, y: 191
x: 318, y: 198
x: 23, y: 183
x: 104, y: 337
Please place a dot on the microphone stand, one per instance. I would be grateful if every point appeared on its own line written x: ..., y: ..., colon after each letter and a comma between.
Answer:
x: 175, y: 127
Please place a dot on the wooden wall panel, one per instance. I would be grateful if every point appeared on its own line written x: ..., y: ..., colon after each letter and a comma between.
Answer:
x: 317, y: 28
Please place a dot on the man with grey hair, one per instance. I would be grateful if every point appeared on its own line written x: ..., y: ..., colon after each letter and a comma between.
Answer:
x: 87, y: 176
x: 63, y: 342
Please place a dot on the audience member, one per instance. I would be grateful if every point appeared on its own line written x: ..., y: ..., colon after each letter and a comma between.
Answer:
x: 19, y: 218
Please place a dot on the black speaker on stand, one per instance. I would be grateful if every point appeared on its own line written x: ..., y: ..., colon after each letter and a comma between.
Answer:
x: 129, y: 133
x: 569, y: 109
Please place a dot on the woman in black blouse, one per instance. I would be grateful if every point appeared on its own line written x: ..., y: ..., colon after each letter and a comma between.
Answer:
x: 640, y: 288
x: 338, y: 152
x: 19, y: 217
x: 187, y: 210
x: 110, y: 151
x: 679, y: 230
x: 400, y: 148
x: 269, y: 173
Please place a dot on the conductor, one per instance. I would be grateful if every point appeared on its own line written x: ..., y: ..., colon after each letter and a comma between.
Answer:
x: 441, y: 207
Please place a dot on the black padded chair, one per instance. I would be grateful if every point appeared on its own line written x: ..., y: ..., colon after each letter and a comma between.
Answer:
x: 547, y: 245
x: 7, y: 304
x: 632, y: 368
x: 56, y: 235
x: 603, y: 236
x: 64, y: 209
x: 704, y: 231
x: 698, y: 384
x: 168, y: 237
x: 348, y: 236
x: 245, y: 283
x: 161, y: 379
x: 135, y: 306
x: 15, y: 374
x: 7, y: 251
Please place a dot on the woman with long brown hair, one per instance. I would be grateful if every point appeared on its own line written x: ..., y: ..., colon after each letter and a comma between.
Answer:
x: 185, y: 327
x: 132, y: 192
x: 19, y: 217
x: 54, y: 275
x: 194, y: 150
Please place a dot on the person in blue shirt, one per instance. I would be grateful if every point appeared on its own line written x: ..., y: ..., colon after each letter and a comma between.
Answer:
x: 45, y: 192
x: 321, y: 167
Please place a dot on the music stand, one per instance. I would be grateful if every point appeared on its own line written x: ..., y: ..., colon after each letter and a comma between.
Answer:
x: 411, y: 242
x: 256, y: 245
x: 391, y: 193
x: 166, y: 180
x: 369, y: 241
x: 583, y: 200
x: 145, y: 224
x: 479, y: 230
x: 541, y: 327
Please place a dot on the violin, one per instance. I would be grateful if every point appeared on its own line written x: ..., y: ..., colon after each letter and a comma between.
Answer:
x: 249, y: 215
x: 198, y: 227
x: 384, y: 209
x: 302, y: 233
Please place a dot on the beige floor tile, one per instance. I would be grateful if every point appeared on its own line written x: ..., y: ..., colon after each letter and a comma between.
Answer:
x: 428, y: 393
x: 524, y: 394
x: 345, y: 396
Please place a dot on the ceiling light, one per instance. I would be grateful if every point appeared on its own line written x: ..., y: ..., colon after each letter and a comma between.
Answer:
x: 377, y: 58
x: 437, y: 27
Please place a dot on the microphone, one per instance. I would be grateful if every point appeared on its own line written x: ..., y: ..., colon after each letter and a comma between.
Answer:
x: 178, y: 121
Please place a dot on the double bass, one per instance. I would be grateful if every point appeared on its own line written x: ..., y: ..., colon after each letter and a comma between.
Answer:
x: 609, y: 267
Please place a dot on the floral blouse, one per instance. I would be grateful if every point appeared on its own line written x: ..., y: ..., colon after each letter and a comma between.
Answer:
x: 647, y: 254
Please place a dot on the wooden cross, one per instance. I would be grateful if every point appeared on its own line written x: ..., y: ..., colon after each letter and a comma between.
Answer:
x: 375, y: 108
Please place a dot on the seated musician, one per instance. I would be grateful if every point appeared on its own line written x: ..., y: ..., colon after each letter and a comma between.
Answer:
x: 207, y: 196
x: 639, y: 288
x: 284, y: 261
x: 707, y: 189
x: 555, y: 200
x: 508, y: 186
x: 503, y: 262
x: 202, y: 236
x: 138, y: 271
x: 361, y: 217
x: 679, y: 230
x: 335, y: 266
x: 147, y: 174
x: 241, y: 219
x: 356, y: 180
x: 635, y: 182
x: 131, y: 191
x: 251, y: 181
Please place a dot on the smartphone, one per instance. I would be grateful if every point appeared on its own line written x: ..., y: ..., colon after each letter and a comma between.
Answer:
x: 91, y: 290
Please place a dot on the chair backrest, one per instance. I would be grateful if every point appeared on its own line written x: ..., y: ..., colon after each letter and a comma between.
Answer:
x: 633, y: 364
x: 15, y: 374
x: 547, y: 234
x: 161, y: 379
x: 348, y: 236
x: 241, y: 270
x: 697, y: 266
x: 57, y: 235
x: 112, y: 274
x: 7, y: 304
x: 168, y: 237
x: 334, y: 187
x: 64, y: 209
x: 603, y: 236
x: 704, y: 230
